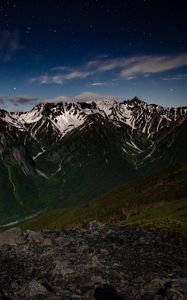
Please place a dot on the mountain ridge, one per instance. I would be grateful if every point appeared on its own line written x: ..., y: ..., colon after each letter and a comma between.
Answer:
x: 127, y: 111
x: 63, y: 153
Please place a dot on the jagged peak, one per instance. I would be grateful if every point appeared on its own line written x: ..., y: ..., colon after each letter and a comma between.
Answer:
x: 3, y: 112
x: 135, y: 101
x: 64, y: 116
x: 104, y: 101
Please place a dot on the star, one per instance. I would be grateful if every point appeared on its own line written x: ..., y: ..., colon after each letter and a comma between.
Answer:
x: 52, y: 30
x: 92, y: 27
x: 28, y: 29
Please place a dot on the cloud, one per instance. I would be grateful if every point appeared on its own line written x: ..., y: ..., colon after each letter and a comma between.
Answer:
x: 18, y: 100
x: 125, y: 67
x: 59, y: 79
x: 9, y: 44
x: 48, y: 79
x: 153, y: 64
x: 88, y: 96
x: 132, y: 77
x: 97, y: 83
x: 130, y: 67
x: 61, y: 68
x: 176, y: 77
x: 2, y: 100
x: 83, y: 97
x: 28, y: 100
x: 21, y: 102
x: 58, y: 99
x: 24, y: 100
x: 77, y: 74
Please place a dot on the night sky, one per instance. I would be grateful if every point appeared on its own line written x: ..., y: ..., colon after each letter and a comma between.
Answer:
x: 69, y: 50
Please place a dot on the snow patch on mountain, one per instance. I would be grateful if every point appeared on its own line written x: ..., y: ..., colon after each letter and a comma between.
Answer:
x: 32, y: 116
x: 67, y: 121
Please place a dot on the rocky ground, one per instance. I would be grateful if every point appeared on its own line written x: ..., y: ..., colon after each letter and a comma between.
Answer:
x: 102, y: 262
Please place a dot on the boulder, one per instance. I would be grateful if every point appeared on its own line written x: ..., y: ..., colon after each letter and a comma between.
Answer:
x: 12, y: 237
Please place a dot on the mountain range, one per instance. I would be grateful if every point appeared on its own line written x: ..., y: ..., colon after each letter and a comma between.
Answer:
x: 59, y: 154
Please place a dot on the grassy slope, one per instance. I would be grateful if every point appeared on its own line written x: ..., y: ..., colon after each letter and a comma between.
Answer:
x: 170, y: 217
x: 143, y: 202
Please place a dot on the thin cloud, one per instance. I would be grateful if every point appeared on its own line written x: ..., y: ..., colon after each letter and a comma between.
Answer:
x: 176, y: 77
x: 88, y: 96
x: 77, y: 74
x: 154, y: 64
x: 2, y: 100
x: 48, y: 79
x: 24, y: 100
x: 132, y: 77
x: 83, y: 97
x: 59, y: 79
x: 97, y: 83
x: 58, y: 99
x: 18, y: 100
x: 126, y: 67
x: 61, y: 69
x: 9, y: 44
x: 21, y: 101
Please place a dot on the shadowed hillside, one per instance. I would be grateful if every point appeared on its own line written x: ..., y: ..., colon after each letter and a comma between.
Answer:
x: 157, y: 197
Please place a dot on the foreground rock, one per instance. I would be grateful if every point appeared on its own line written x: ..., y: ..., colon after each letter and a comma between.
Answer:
x: 100, y: 262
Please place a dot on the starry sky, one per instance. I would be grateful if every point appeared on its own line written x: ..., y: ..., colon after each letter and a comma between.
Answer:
x: 79, y: 50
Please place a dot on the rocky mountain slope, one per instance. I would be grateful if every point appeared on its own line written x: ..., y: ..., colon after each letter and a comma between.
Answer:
x: 63, y: 153
x: 94, y: 263
x: 63, y: 117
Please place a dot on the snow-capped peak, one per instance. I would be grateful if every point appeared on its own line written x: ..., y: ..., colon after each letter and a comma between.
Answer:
x: 65, y: 116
